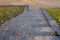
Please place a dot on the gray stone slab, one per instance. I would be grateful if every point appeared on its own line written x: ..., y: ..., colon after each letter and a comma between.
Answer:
x: 42, y: 31
x: 9, y: 32
x: 21, y: 38
x: 2, y: 34
x: 55, y: 38
x: 7, y: 35
x: 47, y: 38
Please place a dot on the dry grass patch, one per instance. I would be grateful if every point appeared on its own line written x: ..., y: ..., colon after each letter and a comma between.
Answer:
x: 8, y: 12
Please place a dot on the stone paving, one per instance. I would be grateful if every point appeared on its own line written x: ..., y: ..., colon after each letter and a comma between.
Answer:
x: 31, y: 25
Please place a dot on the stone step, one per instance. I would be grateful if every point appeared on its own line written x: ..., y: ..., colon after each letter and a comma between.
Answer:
x: 47, y: 38
x: 31, y: 25
x: 42, y: 31
x: 34, y: 38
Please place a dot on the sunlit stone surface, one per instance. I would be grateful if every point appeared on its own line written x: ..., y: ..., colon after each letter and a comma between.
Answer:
x: 46, y: 38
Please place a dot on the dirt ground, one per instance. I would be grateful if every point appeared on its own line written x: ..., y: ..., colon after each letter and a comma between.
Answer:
x: 33, y: 3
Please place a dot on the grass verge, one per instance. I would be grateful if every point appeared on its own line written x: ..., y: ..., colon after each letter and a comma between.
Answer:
x: 8, y: 12
x: 55, y: 13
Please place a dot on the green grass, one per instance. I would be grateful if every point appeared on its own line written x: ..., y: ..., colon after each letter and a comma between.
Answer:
x: 7, y: 13
x: 55, y: 13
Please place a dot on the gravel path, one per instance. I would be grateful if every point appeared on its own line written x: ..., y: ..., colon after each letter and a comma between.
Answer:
x: 31, y: 25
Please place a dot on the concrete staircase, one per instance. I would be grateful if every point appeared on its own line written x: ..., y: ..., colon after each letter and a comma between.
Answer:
x: 31, y: 25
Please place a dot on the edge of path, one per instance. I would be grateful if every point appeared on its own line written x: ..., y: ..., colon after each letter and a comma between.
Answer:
x: 51, y: 21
